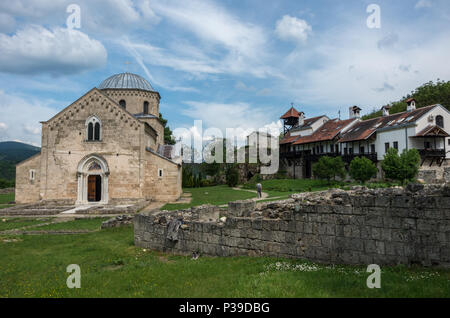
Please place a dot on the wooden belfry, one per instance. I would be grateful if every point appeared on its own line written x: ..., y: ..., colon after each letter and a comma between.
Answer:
x: 290, y: 119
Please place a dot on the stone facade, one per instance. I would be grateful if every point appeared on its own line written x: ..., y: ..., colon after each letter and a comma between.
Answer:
x: 382, y: 226
x: 125, y: 158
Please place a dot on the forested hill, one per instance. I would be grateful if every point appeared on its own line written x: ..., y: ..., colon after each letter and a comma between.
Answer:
x: 428, y: 94
x: 11, y: 153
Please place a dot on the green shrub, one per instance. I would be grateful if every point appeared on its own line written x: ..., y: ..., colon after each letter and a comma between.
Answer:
x: 328, y: 168
x: 232, y: 175
x: 362, y: 169
x: 7, y: 183
x: 402, y: 168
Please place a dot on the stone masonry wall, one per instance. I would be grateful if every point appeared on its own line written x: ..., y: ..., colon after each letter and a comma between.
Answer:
x: 362, y: 226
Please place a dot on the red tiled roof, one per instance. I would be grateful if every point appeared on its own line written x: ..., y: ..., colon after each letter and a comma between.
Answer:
x: 291, y: 113
x: 366, y: 128
x: 432, y: 131
x: 288, y: 139
x: 327, y: 132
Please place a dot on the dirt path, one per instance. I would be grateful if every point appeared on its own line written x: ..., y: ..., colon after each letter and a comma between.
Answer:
x: 264, y: 195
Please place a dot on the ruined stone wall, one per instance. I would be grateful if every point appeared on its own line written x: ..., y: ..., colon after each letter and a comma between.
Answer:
x: 382, y: 226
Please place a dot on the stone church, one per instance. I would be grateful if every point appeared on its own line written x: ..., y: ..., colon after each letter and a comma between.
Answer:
x: 106, y: 147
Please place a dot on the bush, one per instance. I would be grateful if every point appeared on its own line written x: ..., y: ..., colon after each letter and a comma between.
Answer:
x: 328, y: 168
x: 362, y: 169
x: 7, y: 183
x: 231, y: 175
x: 402, y: 168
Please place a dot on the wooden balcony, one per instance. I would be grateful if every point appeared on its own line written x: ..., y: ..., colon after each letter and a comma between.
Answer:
x: 432, y: 153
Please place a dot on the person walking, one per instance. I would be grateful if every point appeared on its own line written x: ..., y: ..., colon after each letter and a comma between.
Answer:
x: 259, y: 190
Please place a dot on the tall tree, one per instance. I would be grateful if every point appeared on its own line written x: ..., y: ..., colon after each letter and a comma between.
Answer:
x: 168, y: 137
x: 428, y: 94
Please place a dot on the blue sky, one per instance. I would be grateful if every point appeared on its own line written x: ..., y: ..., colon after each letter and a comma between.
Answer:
x: 228, y: 63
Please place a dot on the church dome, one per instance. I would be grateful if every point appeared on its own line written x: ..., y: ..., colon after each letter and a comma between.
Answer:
x: 126, y: 81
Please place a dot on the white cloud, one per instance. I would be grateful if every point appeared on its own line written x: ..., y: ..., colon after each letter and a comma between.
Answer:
x: 211, y: 22
x: 35, y: 49
x: 21, y: 116
x: 7, y: 23
x: 423, y: 4
x: 293, y: 29
x: 362, y: 73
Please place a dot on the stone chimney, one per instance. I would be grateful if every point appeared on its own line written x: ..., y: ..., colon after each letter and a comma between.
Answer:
x: 354, y: 112
x: 301, y: 119
x: 385, y: 110
x: 411, y: 104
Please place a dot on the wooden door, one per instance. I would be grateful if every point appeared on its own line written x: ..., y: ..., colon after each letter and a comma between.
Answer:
x: 92, y: 188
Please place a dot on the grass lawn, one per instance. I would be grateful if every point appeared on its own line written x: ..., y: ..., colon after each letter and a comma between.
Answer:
x: 111, y: 266
x: 15, y: 223
x: 286, y: 187
x: 80, y: 224
x: 5, y: 199
x: 217, y: 195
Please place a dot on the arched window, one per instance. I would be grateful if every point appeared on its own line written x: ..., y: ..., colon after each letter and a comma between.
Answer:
x: 123, y: 104
x: 440, y: 121
x: 93, y: 129
x: 97, y: 131
x: 90, y: 132
x: 145, y: 108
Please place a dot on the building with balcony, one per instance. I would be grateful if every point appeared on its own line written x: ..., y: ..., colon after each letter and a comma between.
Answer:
x: 425, y: 129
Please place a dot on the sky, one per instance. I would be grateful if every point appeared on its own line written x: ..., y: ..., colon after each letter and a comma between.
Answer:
x: 229, y: 63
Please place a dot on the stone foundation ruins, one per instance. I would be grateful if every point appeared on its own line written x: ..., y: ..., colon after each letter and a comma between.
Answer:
x: 361, y: 226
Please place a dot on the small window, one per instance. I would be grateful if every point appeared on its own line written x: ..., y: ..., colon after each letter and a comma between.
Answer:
x: 361, y: 150
x: 123, y: 104
x: 449, y: 142
x: 440, y: 121
x: 90, y: 131
x: 97, y: 131
x: 145, y: 108
x: 396, y: 145
x: 32, y: 174
x: 160, y: 173
x: 372, y: 148
x: 386, y: 147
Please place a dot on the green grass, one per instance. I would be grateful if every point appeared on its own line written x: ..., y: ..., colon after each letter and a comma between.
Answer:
x: 80, y: 224
x: 285, y: 187
x: 6, y: 198
x: 15, y: 223
x: 111, y: 266
x: 217, y: 195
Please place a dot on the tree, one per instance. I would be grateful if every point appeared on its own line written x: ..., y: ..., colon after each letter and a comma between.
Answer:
x: 401, y: 168
x: 168, y: 137
x: 328, y: 168
x: 231, y: 175
x: 428, y: 94
x: 362, y: 169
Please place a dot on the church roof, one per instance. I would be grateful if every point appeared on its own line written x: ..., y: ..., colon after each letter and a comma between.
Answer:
x: 126, y: 81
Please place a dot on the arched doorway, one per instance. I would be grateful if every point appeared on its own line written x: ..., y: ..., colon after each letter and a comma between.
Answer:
x: 92, y: 174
